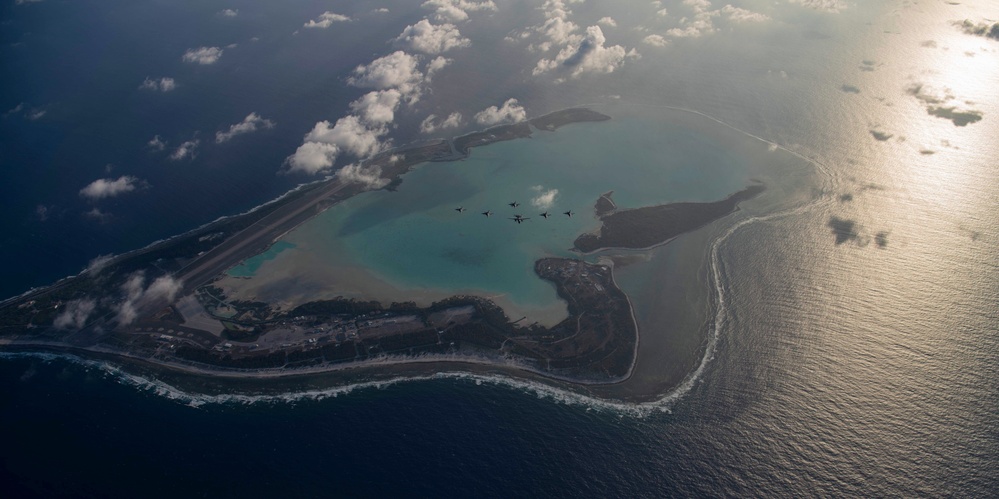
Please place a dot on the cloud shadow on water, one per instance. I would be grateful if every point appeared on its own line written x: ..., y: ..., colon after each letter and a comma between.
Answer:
x: 844, y: 230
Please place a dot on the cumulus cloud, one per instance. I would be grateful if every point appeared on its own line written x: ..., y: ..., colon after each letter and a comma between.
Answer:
x: 136, y: 295
x: 832, y: 6
x: 229, y: 12
x: 161, y: 85
x: 187, y: 150
x: 397, y: 70
x: 655, y: 40
x: 431, y: 124
x: 431, y: 39
x: 98, y: 263
x: 97, y: 214
x: 589, y: 54
x: 742, y: 15
x: 312, y: 158
x: 510, y: 112
x: 699, y: 23
x: 557, y: 27
x: 436, y: 64
x: 325, y: 20
x: 368, y: 176
x: 203, y: 55
x: 349, y: 135
x: 250, y: 124
x: 608, y: 21
x: 457, y: 10
x: 74, y: 314
x: 377, y: 107
x: 156, y: 143
x: 545, y: 198
x: 109, y: 188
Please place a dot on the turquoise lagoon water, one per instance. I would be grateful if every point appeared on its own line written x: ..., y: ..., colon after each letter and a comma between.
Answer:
x: 250, y: 266
x: 414, y: 239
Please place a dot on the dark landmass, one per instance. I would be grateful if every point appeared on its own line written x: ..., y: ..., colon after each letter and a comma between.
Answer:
x: 646, y: 227
x: 551, y: 122
x: 495, y: 134
x: 596, y: 342
x: 605, y: 204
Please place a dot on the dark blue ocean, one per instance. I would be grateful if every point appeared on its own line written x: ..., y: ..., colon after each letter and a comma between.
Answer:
x: 845, y: 346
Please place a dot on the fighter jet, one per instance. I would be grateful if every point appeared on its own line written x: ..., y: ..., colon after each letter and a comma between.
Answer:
x: 515, y: 204
x: 568, y: 213
x: 459, y: 209
x: 546, y: 214
x: 487, y: 213
x: 518, y: 218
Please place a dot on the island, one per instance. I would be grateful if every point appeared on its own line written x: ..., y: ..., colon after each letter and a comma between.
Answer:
x: 650, y: 226
x: 158, y: 308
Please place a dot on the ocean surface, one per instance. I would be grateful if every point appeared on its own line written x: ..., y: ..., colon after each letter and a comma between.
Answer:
x: 838, y: 338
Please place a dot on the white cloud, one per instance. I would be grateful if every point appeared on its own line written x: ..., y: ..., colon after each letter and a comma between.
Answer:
x: 325, y: 20
x: 75, y: 313
x: 742, y: 15
x: 14, y: 110
x: 396, y: 70
x: 662, y: 12
x: 98, y: 263
x: 511, y: 112
x: 162, y: 84
x: 250, y: 124
x: 369, y: 177
x: 545, y: 198
x: 108, y: 188
x: 431, y: 39
x: 156, y: 143
x: 655, y: 40
x: 588, y: 55
x: 136, y: 294
x: 349, y: 135
x: 431, y: 125
x: 203, y: 55
x: 381, y: 10
x: 457, y: 10
x: 97, y: 214
x: 22, y: 2
x: 185, y: 150
x: 436, y: 64
x: 312, y: 158
x: 377, y: 107
x: 36, y: 114
x: 229, y: 12
x: 558, y: 28
x: 823, y: 5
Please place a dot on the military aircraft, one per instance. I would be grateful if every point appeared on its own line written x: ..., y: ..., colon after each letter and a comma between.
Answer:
x: 459, y: 209
x: 568, y: 213
x: 514, y: 204
x: 487, y: 213
x: 518, y: 218
x: 546, y: 214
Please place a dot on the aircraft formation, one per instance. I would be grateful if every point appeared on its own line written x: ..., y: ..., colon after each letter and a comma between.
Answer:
x: 516, y: 218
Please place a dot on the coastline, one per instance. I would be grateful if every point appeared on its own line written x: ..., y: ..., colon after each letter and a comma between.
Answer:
x: 399, y: 363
